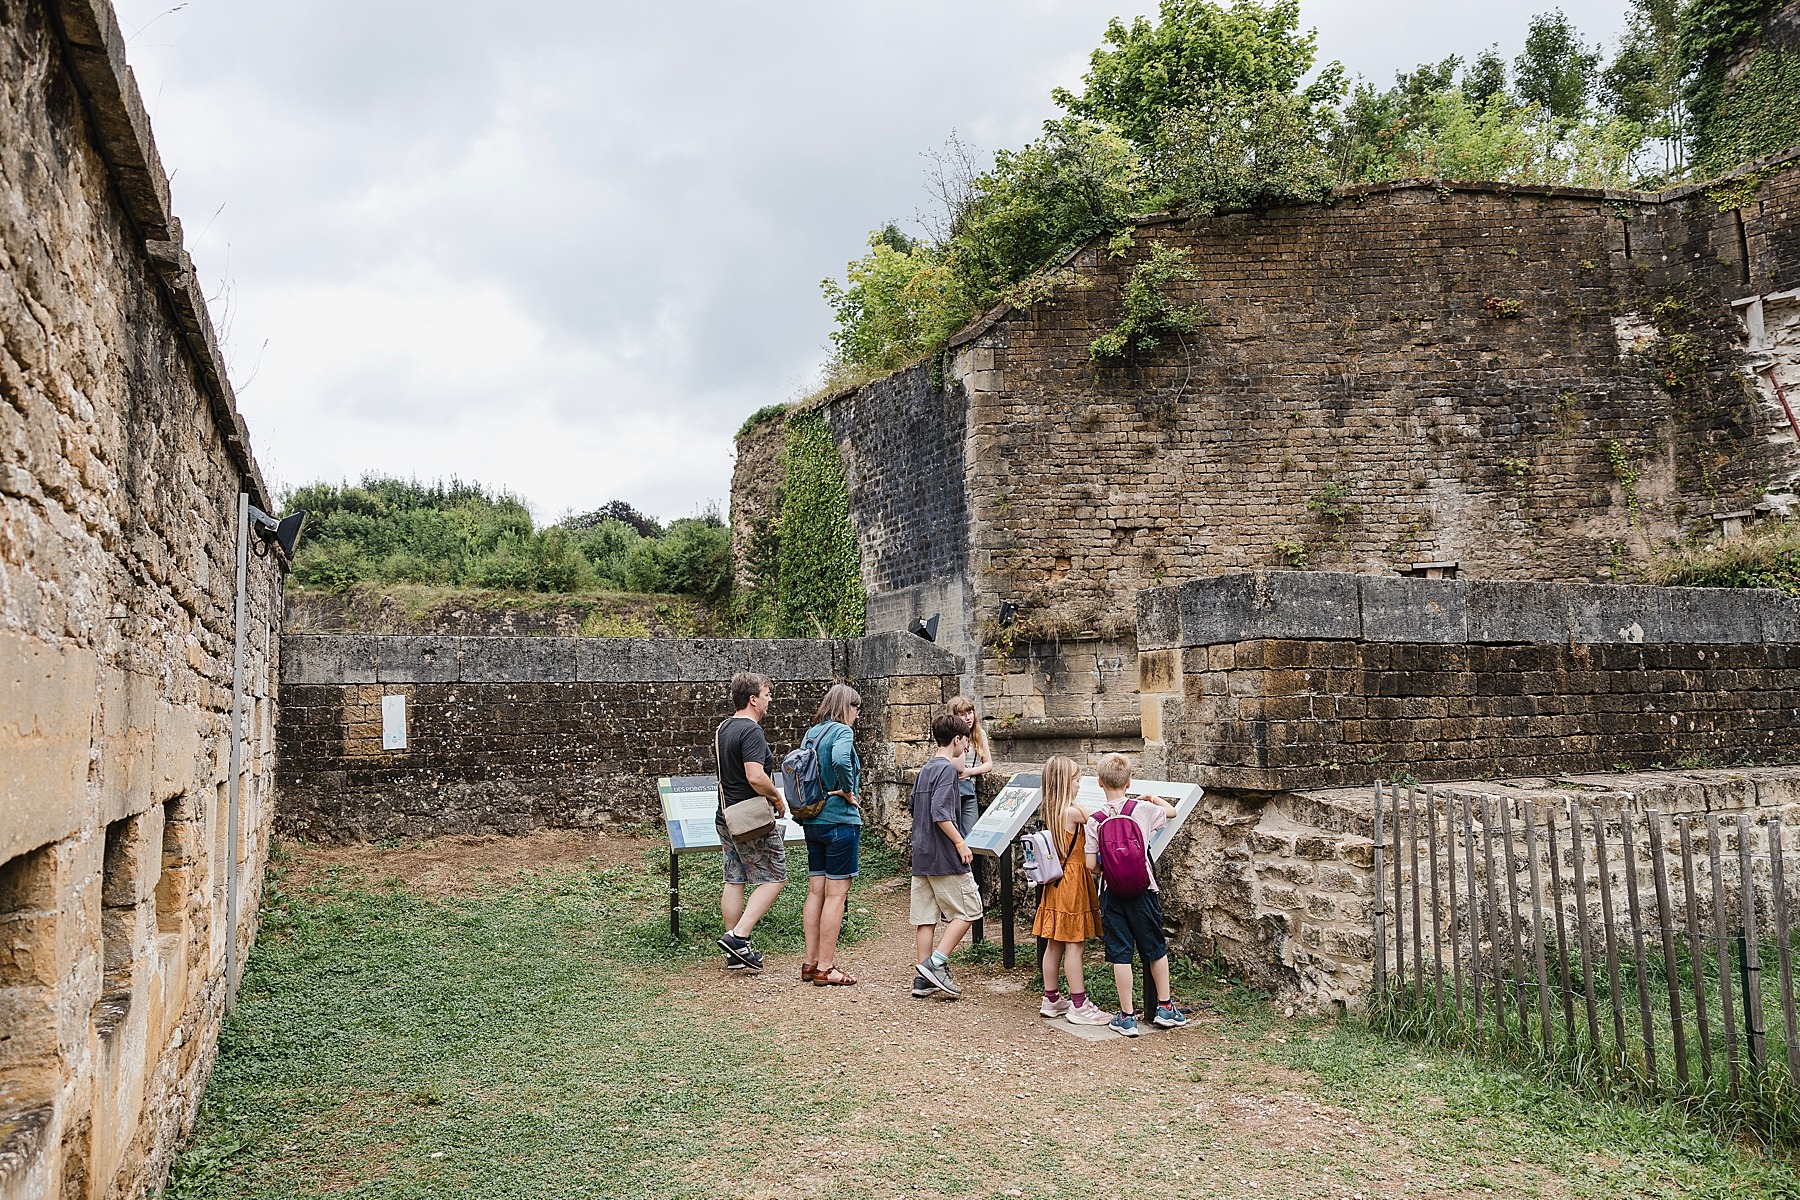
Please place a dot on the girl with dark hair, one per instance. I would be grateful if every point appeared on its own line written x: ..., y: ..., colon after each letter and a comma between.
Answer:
x: 834, y: 837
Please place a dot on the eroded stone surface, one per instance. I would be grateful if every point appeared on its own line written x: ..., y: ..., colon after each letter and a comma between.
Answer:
x: 121, y: 460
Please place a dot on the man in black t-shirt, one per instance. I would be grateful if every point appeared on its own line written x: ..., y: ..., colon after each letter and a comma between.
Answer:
x: 746, y: 770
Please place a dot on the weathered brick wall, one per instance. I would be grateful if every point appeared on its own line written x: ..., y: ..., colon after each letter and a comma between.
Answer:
x: 509, y: 734
x: 1534, y: 383
x: 121, y: 460
x: 1282, y: 888
x: 1298, y: 680
x: 756, y: 491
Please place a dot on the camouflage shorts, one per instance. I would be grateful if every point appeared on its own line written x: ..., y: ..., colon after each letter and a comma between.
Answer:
x: 754, y: 861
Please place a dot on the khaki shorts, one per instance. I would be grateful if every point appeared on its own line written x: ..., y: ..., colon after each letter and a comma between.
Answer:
x: 945, y: 898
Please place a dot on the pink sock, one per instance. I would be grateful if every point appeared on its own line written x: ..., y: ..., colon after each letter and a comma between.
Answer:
x: 1078, y: 999
x: 1052, y: 995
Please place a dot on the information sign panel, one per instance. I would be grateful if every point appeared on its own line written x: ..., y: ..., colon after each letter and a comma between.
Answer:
x: 996, y: 828
x: 1017, y: 803
x: 688, y: 805
x: 393, y: 722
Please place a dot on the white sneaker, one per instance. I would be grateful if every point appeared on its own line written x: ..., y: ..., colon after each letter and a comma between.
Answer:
x: 1054, y: 1008
x: 1089, y: 1014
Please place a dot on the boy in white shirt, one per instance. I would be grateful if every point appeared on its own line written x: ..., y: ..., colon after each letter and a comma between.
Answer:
x: 1133, y: 923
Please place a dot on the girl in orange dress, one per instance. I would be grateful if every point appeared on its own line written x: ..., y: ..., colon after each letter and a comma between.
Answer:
x: 1068, y: 910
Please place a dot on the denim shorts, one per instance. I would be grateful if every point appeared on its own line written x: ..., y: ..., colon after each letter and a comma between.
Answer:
x: 833, y: 850
x: 1132, y: 924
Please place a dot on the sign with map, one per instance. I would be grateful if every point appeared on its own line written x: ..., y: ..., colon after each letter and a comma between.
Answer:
x: 1017, y: 803
x: 688, y: 805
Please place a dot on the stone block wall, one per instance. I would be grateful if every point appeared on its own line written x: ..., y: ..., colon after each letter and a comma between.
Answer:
x: 121, y: 461
x: 1533, y: 383
x: 1297, y: 680
x: 1282, y: 886
x: 509, y: 734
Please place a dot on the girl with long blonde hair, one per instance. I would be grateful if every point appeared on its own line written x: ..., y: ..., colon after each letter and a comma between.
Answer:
x: 1068, y: 911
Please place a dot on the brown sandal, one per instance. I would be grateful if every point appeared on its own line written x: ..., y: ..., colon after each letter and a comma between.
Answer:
x: 824, y: 978
x: 808, y: 972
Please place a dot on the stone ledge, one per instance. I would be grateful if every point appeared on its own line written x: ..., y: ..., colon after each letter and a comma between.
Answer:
x: 1313, y: 605
x: 336, y: 659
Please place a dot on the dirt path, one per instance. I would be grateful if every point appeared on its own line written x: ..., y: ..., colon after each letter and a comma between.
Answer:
x: 984, y: 1096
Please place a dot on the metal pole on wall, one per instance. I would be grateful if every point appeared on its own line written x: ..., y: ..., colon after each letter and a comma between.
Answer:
x: 236, y: 767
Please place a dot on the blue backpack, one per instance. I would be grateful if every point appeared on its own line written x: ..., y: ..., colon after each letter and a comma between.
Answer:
x: 806, y: 794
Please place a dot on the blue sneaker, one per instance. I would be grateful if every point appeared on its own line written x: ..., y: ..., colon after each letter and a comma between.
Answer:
x: 1168, y: 1017
x: 1124, y: 1024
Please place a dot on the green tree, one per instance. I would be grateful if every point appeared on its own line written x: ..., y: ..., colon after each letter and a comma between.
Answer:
x: 1557, y: 69
x: 1077, y: 181
x: 899, y: 301
x: 1644, y: 81
x: 1486, y: 77
x: 1196, y: 50
x: 1242, y: 152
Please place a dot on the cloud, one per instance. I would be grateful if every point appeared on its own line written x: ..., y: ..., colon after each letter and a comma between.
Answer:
x: 564, y: 247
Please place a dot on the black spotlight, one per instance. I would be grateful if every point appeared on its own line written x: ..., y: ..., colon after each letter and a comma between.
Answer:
x: 925, y: 627
x: 1009, y: 612
x: 284, y: 533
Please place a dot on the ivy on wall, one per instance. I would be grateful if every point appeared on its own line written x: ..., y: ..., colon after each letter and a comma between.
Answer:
x: 820, y: 592
x: 1737, y: 119
x: 1758, y: 113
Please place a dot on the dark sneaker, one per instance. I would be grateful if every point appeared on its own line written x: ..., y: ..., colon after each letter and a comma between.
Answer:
x: 922, y: 988
x: 1168, y: 1017
x: 1124, y: 1024
x: 940, y: 977
x: 740, y: 950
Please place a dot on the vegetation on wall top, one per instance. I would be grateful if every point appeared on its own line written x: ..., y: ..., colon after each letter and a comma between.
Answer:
x: 1768, y: 556
x: 1202, y: 110
x: 393, y: 531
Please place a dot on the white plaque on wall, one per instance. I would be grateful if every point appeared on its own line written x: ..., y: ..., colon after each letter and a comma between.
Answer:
x: 393, y: 722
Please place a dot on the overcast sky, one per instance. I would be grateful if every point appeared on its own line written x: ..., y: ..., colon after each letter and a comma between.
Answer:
x: 564, y: 246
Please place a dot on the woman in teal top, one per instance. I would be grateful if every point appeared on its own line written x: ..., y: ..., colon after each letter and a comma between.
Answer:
x: 834, y: 837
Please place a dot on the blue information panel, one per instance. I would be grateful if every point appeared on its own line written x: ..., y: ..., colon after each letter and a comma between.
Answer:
x: 1017, y: 804
x: 688, y: 805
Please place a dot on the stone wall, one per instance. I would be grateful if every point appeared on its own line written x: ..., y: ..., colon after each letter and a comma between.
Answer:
x: 756, y: 479
x: 121, y: 461
x: 509, y: 734
x: 1282, y: 887
x: 1296, y: 680
x: 1532, y: 383
x: 475, y: 613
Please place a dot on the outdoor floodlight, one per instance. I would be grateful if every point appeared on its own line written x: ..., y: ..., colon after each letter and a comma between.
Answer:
x: 1009, y: 612
x: 283, y: 533
x: 925, y: 627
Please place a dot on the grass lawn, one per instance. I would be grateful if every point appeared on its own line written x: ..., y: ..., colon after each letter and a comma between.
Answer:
x: 538, y: 1036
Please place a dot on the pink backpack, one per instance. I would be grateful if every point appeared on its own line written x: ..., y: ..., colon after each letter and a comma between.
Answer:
x: 1124, y: 856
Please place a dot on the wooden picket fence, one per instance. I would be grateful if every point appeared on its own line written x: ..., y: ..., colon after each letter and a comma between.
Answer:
x: 1623, y: 949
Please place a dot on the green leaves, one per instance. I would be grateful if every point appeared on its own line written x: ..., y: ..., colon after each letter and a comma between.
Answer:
x: 1239, y: 151
x: 393, y: 531
x: 1150, y: 314
x: 899, y: 301
x: 820, y: 575
x: 1197, y: 50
